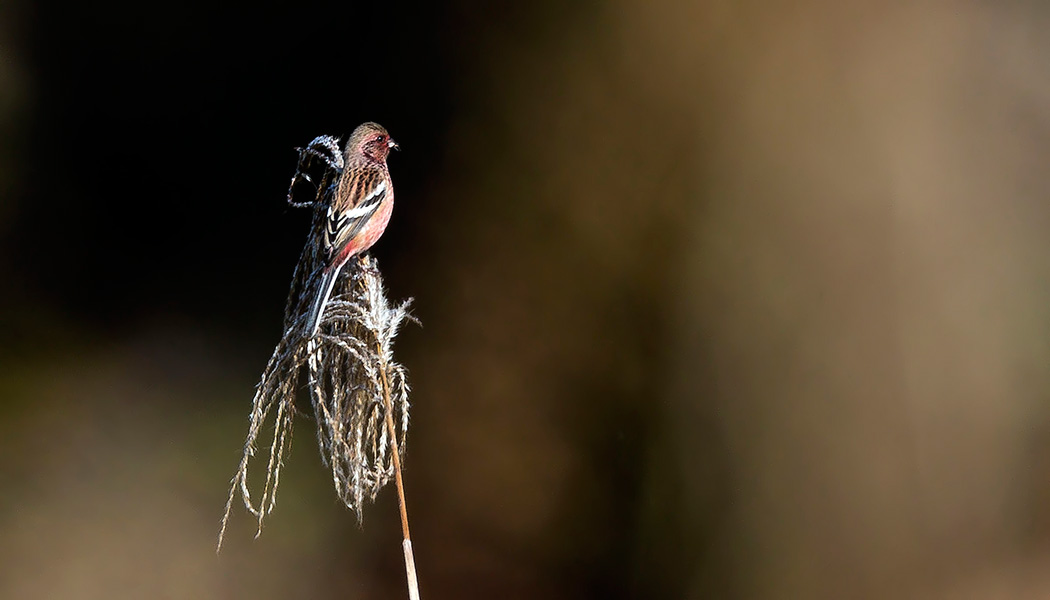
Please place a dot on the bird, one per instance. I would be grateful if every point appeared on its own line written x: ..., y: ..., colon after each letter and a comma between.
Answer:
x: 359, y: 210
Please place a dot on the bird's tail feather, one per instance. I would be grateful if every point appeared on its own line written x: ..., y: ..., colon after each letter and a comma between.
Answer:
x: 328, y: 279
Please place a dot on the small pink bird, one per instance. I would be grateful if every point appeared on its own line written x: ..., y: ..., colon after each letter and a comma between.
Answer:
x: 359, y: 211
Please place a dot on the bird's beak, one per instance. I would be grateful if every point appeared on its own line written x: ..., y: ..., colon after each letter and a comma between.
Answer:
x: 392, y: 145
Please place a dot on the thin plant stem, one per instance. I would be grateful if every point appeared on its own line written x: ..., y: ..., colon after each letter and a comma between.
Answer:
x: 410, y: 562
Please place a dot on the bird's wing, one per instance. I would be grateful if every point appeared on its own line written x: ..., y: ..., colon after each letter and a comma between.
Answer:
x: 348, y: 216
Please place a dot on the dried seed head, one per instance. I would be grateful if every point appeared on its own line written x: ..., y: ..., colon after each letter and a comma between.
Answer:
x: 350, y: 370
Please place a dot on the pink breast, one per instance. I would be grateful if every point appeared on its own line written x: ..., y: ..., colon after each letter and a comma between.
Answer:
x: 372, y: 231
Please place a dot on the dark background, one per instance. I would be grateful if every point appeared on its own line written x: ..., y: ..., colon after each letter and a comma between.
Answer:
x: 719, y: 300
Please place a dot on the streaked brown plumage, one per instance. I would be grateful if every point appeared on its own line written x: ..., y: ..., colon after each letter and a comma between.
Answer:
x: 359, y: 211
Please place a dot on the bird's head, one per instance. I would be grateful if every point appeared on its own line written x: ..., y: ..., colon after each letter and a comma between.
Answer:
x: 372, y: 141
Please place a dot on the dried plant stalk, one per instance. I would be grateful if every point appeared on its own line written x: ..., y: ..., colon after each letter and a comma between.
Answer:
x: 355, y: 388
x: 358, y: 392
x: 351, y: 372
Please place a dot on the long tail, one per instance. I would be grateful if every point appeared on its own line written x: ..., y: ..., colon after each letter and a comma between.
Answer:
x: 328, y: 279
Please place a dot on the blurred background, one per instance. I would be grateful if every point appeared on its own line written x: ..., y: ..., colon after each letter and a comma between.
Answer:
x: 742, y: 300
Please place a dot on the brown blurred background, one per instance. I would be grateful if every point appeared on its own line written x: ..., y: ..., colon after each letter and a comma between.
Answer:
x: 742, y: 300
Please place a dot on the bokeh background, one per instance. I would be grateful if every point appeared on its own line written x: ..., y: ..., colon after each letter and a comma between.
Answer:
x: 741, y: 300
